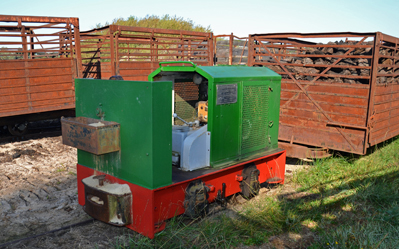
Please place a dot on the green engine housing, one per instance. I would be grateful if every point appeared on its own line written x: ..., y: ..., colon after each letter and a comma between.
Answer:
x: 243, y: 108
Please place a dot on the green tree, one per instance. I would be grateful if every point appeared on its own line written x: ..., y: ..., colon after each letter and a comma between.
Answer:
x: 164, y: 22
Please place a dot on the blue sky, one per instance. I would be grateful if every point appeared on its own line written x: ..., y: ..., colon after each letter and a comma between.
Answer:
x: 240, y: 17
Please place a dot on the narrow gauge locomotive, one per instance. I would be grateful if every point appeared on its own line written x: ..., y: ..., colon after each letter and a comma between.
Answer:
x: 191, y: 135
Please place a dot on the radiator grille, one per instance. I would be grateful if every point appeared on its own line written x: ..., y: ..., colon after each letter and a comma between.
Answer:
x: 254, y: 118
x: 186, y: 96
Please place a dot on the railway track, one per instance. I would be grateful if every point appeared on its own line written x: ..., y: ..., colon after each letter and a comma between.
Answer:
x: 47, y: 128
x: 82, y: 223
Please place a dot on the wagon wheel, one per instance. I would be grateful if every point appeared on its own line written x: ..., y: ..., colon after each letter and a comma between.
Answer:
x: 18, y: 129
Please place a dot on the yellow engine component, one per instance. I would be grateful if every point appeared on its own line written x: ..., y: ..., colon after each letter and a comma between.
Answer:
x: 203, y: 111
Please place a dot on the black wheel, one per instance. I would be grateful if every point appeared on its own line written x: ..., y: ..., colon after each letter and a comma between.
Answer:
x: 196, y: 199
x: 250, y: 184
x: 18, y: 129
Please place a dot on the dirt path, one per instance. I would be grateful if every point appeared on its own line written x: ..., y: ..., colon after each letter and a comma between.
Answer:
x: 38, y: 193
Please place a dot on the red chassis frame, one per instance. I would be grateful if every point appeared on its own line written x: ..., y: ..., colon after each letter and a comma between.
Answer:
x: 150, y: 208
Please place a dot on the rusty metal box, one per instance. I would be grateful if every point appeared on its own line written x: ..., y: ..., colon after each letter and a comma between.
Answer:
x: 91, y: 135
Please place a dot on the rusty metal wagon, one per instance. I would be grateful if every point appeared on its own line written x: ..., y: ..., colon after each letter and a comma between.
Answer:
x: 37, y: 67
x: 134, y: 52
x: 341, y: 95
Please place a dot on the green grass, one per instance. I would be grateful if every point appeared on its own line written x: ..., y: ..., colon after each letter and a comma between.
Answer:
x: 344, y: 201
x: 357, y: 204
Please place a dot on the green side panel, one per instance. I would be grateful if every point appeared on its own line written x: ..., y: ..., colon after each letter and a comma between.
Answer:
x: 140, y: 109
x: 224, y: 125
x: 254, y: 117
x: 161, y: 134
x: 247, y: 127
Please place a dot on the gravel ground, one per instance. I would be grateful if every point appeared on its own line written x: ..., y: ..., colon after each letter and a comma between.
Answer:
x: 38, y: 193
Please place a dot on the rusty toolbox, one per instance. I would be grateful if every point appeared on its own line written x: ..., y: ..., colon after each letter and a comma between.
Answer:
x: 91, y: 135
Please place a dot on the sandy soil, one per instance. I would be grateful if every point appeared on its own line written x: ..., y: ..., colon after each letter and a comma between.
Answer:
x: 38, y: 193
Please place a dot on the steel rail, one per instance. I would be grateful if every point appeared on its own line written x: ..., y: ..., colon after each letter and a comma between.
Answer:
x: 82, y: 223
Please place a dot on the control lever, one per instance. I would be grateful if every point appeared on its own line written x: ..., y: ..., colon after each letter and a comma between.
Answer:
x: 184, y: 121
x: 221, y: 196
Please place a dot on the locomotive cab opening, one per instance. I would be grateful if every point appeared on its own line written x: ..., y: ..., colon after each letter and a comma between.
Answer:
x: 190, y: 136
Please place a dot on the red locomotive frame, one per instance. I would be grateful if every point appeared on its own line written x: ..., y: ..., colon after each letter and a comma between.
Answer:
x: 151, y: 208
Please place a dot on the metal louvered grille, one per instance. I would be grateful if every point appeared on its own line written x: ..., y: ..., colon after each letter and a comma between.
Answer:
x: 186, y: 96
x: 254, y: 117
